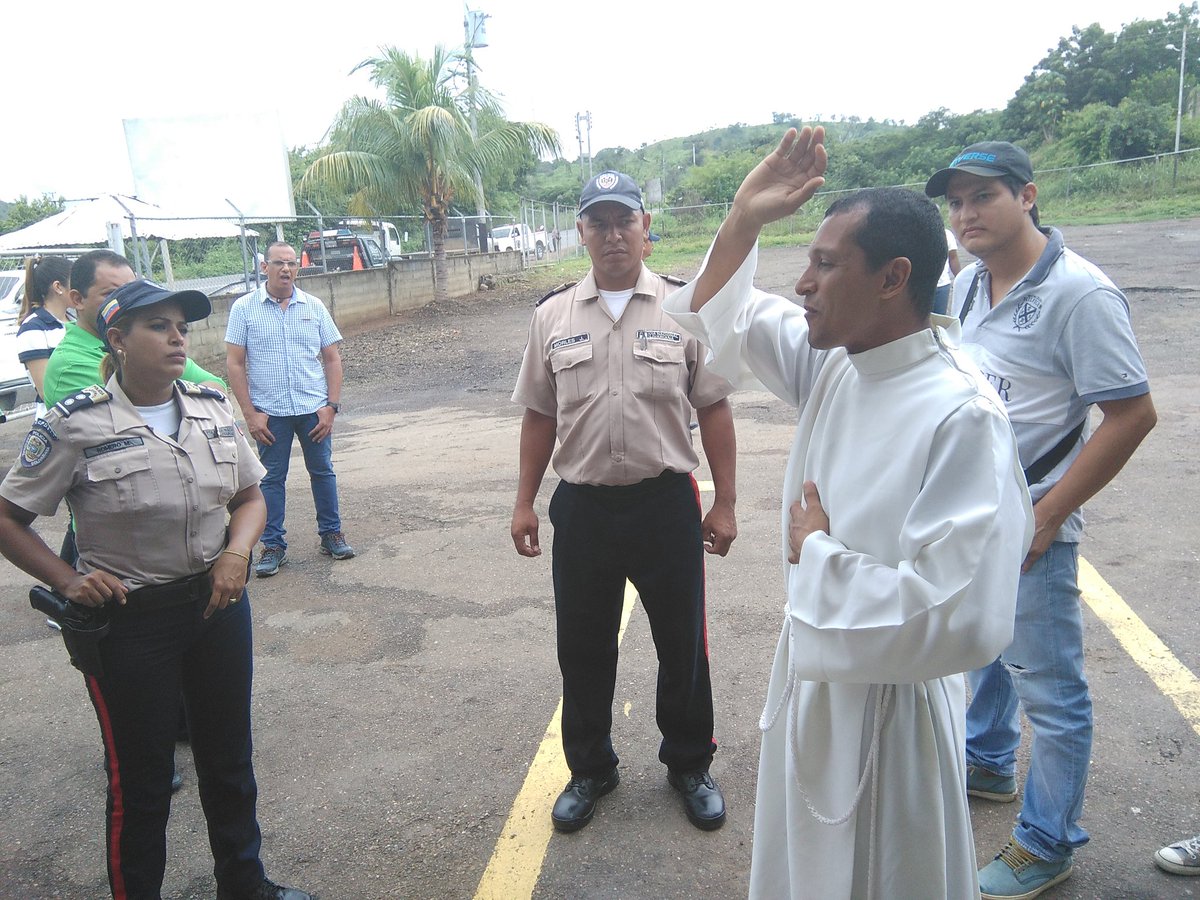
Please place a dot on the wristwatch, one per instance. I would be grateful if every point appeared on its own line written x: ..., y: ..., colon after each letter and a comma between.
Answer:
x: 336, y: 407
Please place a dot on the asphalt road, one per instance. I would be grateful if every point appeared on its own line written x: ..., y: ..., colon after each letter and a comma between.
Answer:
x: 400, y: 697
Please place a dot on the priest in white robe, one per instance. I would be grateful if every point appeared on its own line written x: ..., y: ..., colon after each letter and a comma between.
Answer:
x: 905, y: 518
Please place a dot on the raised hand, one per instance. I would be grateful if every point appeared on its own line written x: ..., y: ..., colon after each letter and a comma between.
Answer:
x: 777, y: 187
x: 785, y: 180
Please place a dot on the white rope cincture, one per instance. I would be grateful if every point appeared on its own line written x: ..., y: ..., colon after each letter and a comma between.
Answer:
x: 883, y: 698
x: 765, y: 722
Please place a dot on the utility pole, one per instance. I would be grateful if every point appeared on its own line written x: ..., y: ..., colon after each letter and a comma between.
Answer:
x: 474, y: 36
x: 589, y: 123
x: 579, y: 119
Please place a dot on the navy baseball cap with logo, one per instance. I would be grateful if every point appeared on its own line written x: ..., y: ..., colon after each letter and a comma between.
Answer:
x: 991, y: 159
x: 615, y: 186
x: 140, y: 294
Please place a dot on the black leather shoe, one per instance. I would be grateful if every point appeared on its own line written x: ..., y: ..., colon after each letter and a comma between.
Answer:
x: 702, y: 798
x: 176, y: 781
x: 574, y: 807
x: 266, y: 890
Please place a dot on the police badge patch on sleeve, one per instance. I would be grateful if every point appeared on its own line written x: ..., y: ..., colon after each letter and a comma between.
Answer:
x: 36, y: 448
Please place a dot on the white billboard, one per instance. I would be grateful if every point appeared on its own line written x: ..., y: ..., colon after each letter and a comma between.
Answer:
x: 199, y: 165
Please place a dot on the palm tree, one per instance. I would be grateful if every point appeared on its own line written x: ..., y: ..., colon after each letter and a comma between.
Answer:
x: 415, y: 148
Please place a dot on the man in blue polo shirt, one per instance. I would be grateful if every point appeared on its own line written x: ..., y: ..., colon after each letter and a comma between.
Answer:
x: 1052, y: 334
x: 286, y: 373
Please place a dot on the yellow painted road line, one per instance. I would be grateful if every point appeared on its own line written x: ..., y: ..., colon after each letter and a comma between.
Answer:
x: 1171, y: 676
x: 516, y: 863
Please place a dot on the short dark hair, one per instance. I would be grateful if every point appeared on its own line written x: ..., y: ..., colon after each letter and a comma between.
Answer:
x: 896, y: 223
x: 1016, y: 185
x: 273, y: 244
x: 83, y: 271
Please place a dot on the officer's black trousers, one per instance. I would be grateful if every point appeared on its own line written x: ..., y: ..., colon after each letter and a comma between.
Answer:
x: 152, y: 657
x: 648, y: 533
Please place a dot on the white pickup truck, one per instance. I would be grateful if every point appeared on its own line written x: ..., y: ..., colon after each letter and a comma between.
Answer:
x: 15, y: 386
x: 519, y: 236
x: 384, y: 232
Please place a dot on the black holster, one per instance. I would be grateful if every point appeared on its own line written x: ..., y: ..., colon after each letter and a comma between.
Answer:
x: 83, y: 627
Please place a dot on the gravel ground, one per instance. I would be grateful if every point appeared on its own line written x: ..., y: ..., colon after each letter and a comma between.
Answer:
x: 399, y: 697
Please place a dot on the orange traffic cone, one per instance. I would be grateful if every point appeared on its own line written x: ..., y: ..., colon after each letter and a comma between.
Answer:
x: 304, y: 263
x: 357, y: 264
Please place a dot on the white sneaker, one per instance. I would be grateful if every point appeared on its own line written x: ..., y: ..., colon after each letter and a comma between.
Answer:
x: 1180, y: 858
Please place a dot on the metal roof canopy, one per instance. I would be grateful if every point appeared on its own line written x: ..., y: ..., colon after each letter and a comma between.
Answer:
x: 88, y: 221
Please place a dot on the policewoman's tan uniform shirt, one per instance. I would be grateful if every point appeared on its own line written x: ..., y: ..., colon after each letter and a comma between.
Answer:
x: 621, y: 391
x: 147, y: 508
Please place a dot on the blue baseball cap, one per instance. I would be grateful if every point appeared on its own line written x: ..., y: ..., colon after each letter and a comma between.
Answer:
x: 615, y: 186
x: 142, y: 293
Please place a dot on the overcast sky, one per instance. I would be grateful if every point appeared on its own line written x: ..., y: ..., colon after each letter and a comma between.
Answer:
x: 646, y: 71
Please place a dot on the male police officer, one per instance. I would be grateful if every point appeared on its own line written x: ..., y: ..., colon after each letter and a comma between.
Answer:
x: 609, y: 374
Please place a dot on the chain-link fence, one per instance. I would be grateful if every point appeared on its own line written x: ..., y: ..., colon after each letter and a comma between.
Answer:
x: 1166, y: 185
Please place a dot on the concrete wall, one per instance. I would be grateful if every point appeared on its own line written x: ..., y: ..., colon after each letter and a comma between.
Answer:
x: 360, y: 300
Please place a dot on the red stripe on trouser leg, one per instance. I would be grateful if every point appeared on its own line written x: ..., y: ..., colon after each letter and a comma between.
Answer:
x: 703, y: 568
x: 703, y: 579
x: 117, y: 819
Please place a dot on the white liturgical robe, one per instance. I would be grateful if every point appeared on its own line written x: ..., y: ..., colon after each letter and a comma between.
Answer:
x: 862, y: 781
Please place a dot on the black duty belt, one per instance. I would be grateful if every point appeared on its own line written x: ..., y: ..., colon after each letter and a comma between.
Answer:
x: 637, y: 489
x: 180, y: 592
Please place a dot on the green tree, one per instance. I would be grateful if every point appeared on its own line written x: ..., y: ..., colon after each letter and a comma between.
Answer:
x: 1099, y: 132
x: 23, y: 211
x: 717, y: 180
x: 1091, y: 66
x: 329, y: 200
x: 1037, y: 108
x: 415, y: 149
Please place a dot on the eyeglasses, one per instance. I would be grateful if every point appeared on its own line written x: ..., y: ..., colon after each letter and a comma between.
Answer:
x: 280, y: 263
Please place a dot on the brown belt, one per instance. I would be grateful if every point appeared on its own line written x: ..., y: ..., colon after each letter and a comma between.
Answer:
x: 180, y: 592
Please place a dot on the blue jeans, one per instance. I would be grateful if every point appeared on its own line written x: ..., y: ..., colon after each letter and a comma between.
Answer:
x: 318, y: 459
x: 1043, y: 668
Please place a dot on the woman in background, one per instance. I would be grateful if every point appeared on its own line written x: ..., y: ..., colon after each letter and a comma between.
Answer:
x: 43, y: 316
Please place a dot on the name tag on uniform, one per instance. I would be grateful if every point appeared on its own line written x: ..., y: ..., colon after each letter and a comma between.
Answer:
x: 113, y: 447
x: 223, y: 432
x: 669, y: 337
x: 572, y: 340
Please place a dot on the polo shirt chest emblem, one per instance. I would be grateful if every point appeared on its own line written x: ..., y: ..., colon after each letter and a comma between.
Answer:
x: 1027, y: 313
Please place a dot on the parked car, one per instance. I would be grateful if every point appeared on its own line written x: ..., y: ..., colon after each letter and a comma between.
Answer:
x: 15, y: 386
x: 12, y: 291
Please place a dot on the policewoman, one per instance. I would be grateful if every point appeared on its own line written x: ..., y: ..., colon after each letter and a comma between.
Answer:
x: 164, y: 492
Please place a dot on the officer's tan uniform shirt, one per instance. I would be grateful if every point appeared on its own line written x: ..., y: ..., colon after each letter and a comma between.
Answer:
x: 147, y: 508
x: 622, y: 391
